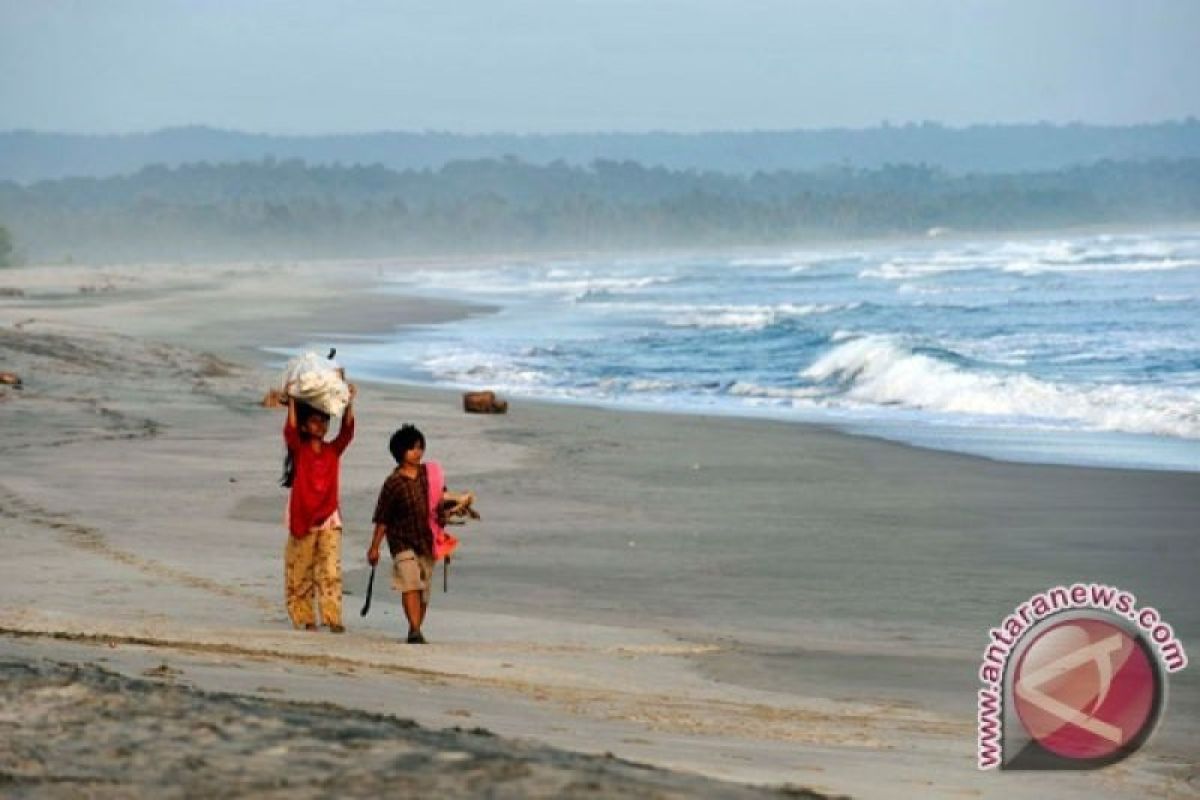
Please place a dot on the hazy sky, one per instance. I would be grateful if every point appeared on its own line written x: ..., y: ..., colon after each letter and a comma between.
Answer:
x: 299, y: 66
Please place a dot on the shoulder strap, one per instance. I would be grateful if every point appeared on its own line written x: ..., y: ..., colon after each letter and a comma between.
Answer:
x: 436, y: 481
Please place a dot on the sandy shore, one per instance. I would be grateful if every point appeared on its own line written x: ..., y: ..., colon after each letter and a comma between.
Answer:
x: 754, y: 601
x: 161, y: 739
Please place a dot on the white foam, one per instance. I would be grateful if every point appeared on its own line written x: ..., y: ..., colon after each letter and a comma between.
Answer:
x: 581, y: 288
x: 478, y: 368
x: 746, y: 317
x: 754, y: 390
x: 795, y: 262
x: 566, y: 282
x: 1066, y: 347
x: 651, y: 385
x: 878, y: 371
x: 1023, y: 267
x: 1102, y: 254
x: 767, y: 261
x: 906, y: 270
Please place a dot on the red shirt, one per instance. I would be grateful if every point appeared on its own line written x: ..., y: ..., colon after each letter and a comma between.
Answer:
x: 315, y: 485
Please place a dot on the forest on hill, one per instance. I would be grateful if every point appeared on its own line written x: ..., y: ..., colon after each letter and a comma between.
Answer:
x: 288, y: 208
x: 31, y: 156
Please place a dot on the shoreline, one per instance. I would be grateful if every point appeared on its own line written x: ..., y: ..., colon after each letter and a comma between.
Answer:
x: 365, y: 309
x: 872, y: 430
x: 686, y: 591
x: 1072, y: 447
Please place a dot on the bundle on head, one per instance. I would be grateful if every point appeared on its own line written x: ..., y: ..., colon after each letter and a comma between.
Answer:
x: 318, y: 382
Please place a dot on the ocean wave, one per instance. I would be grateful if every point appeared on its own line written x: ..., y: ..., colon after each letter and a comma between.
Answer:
x: 477, y: 368
x: 797, y: 261
x: 1122, y: 347
x: 583, y: 289
x: 1023, y: 348
x: 615, y: 386
x: 768, y: 261
x: 897, y: 270
x: 651, y: 385
x: 569, y: 283
x: 749, y: 317
x: 1103, y: 254
x: 1098, y: 249
x: 1021, y: 267
x: 936, y: 290
x: 878, y: 371
x: 758, y: 391
x: 917, y: 269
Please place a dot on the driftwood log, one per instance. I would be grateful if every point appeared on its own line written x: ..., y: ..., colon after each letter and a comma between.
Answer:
x: 483, y: 403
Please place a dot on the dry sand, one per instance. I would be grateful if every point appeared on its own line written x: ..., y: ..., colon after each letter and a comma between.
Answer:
x: 756, y: 602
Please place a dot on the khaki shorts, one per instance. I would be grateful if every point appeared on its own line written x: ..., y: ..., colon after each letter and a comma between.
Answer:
x: 412, y: 573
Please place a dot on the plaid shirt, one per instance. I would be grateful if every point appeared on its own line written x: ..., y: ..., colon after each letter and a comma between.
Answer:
x: 403, y: 509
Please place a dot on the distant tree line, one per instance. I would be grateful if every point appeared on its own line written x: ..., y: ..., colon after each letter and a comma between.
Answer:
x: 28, y: 156
x: 272, y: 208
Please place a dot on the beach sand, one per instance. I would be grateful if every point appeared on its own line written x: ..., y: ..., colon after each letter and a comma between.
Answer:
x: 748, y: 601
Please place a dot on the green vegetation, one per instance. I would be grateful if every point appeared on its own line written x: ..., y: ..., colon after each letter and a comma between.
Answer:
x: 28, y: 156
x: 287, y: 208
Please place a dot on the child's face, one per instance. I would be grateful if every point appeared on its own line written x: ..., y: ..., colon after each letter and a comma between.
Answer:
x: 413, y: 457
x: 316, y: 426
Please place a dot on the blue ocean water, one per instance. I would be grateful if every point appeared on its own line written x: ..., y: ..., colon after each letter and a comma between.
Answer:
x: 1078, y: 349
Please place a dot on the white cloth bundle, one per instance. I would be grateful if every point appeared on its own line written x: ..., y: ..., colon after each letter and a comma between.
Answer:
x: 318, y: 382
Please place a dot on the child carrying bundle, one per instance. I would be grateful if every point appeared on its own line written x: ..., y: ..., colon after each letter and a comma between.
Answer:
x: 316, y: 390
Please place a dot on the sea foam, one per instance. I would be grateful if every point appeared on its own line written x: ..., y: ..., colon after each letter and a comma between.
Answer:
x: 1095, y: 337
x: 877, y: 370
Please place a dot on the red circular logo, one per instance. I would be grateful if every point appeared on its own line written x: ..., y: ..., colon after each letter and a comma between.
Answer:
x: 1086, y: 688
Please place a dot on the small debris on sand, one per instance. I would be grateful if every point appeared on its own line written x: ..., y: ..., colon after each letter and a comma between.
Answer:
x: 483, y: 403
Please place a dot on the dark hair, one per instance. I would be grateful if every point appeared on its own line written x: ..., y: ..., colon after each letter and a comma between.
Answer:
x: 303, y: 412
x: 404, y: 440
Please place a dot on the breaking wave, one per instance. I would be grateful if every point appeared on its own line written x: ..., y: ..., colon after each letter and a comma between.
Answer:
x: 750, y: 317
x: 877, y: 370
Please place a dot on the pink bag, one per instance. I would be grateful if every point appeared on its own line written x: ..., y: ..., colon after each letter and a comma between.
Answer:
x: 444, y: 544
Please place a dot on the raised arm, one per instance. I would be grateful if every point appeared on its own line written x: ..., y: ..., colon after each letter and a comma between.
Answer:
x: 290, y: 434
x: 349, y: 415
x: 346, y: 431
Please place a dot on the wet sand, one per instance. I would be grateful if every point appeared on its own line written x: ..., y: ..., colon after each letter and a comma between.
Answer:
x: 756, y: 601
